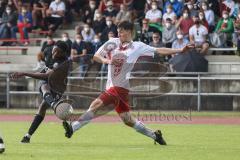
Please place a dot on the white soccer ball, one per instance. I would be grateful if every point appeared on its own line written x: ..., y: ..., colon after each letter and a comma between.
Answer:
x: 64, y: 111
x: 2, y: 147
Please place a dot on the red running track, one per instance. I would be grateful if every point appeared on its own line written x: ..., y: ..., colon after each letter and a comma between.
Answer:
x: 116, y: 119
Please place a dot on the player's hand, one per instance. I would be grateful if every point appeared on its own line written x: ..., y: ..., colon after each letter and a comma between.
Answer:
x: 106, y: 61
x: 17, y: 75
x: 188, y: 47
x: 115, y: 62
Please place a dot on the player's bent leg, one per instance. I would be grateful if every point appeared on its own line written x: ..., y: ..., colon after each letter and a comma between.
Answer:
x: 47, y: 95
x: 36, y: 122
x: 84, y: 119
x: 130, y: 121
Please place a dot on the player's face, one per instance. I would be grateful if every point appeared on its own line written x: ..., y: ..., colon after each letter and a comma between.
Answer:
x: 124, y: 35
x: 56, y: 53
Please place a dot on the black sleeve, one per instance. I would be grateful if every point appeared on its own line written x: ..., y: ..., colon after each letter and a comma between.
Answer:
x: 44, y: 46
x: 13, y: 18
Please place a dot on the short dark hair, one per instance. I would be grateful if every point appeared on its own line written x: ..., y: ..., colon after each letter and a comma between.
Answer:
x: 63, y: 46
x: 126, y: 25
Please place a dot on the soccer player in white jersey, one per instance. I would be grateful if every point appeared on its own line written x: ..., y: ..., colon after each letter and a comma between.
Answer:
x: 120, y: 54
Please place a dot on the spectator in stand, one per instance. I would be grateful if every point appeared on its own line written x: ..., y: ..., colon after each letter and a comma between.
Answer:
x: 17, y: 4
x: 156, y: 42
x: 76, y: 6
x: 102, y: 5
x: 24, y: 25
x: 110, y: 27
x: 236, y: 35
x: 169, y: 33
x: 154, y: 15
x: 68, y: 15
x: 209, y: 15
x: 192, y: 10
x: 177, y: 7
x: 79, y: 54
x: 185, y: 23
x: 146, y: 32
x: 99, y: 23
x: 41, y: 62
x: 9, y: 21
x: 3, y: 5
x: 138, y: 8
x: 226, y: 25
x: 88, y: 13
x: 202, y: 19
x: 96, y: 43
x: 228, y: 5
x: 215, y: 7
x: 55, y: 14
x: 110, y: 11
x: 170, y: 14
x: 180, y: 41
x: 123, y: 15
x: 39, y: 13
x: 78, y: 29
x: 236, y: 9
x: 197, y: 4
x: 128, y: 3
x: 12, y: 5
x: 117, y: 3
x: 48, y: 43
x: 87, y: 33
x: 149, y: 2
x: 65, y: 38
x: 198, y: 35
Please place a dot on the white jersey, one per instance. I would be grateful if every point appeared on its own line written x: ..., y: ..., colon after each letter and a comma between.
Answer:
x: 127, y: 54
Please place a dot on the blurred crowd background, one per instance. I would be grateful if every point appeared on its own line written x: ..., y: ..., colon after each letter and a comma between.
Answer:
x: 159, y: 23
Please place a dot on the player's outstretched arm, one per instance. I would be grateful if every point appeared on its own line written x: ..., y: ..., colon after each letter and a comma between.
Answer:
x: 37, y: 75
x: 100, y: 59
x: 169, y: 51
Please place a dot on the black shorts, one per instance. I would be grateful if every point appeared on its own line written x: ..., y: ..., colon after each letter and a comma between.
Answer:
x: 56, y: 96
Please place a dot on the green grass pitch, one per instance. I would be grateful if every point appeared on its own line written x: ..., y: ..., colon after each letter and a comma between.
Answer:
x: 114, y: 141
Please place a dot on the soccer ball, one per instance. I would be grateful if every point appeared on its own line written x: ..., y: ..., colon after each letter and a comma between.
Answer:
x: 2, y: 147
x: 64, y: 110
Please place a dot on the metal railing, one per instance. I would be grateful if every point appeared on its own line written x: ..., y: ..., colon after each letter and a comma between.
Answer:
x: 197, y: 76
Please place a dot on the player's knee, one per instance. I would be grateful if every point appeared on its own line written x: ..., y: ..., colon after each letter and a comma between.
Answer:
x: 128, y: 121
x: 45, y: 88
x: 95, y: 105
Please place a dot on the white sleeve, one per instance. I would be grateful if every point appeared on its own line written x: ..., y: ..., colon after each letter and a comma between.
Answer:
x: 146, y: 50
x: 62, y: 7
x: 147, y: 15
x: 191, y: 31
x: 212, y: 17
x: 205, y: 31
x: 51, y: 5
x: 160, y: 14
x: 103, y: 50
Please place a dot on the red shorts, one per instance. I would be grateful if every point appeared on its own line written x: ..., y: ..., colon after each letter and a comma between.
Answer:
x: 118, y: 97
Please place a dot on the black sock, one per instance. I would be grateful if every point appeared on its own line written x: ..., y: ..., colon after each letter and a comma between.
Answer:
x: 36, y: 122
x: 48, y: 98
